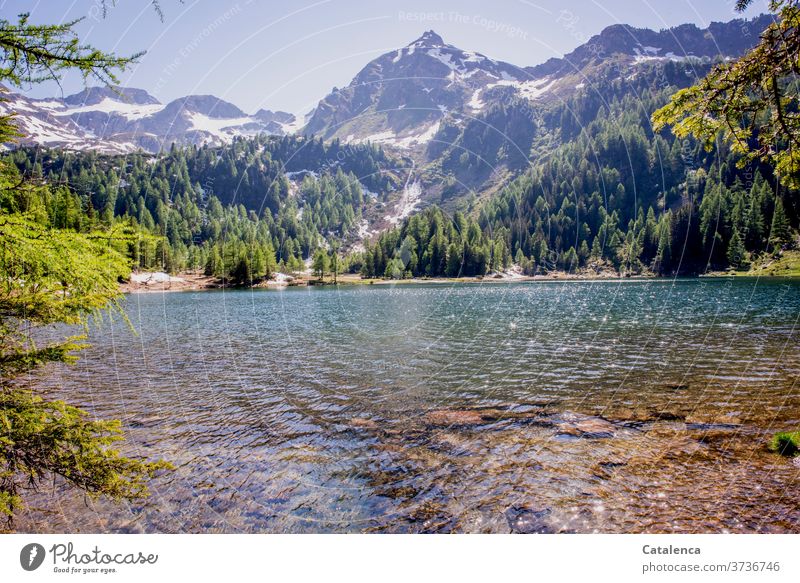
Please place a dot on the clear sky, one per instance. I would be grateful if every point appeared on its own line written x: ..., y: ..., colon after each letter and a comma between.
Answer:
x: 287, y: 54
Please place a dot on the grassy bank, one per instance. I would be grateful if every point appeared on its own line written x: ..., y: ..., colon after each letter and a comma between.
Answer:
x: 787, y: 265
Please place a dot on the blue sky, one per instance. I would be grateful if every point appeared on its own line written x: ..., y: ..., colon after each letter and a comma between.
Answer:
x: 287, y: 54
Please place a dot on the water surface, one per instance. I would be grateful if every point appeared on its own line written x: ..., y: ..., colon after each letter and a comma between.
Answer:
x: 611, y: 406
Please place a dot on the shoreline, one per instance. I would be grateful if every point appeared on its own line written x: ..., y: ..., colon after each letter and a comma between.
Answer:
x: 192, y: 281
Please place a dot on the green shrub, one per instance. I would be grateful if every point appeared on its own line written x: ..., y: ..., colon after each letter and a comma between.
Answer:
x: 786, y: 443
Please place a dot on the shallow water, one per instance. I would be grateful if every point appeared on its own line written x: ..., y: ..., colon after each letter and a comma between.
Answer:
x: 611, y: 406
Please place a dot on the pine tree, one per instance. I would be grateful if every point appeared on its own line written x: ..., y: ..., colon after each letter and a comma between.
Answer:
x: 319, y: 264
x: 663, y: 260
x: 737, y: 254
x: 334, y: 265
x: 242, y: 272
x: 781, y: 232
x: 454, y: 258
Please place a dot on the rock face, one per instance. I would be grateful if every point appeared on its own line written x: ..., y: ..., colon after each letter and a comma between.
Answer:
x: 121, y: 120
x: 472, y: 122
x: 469, y: 122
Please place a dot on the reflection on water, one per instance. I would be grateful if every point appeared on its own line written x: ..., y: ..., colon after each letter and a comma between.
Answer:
x: 615, y: 406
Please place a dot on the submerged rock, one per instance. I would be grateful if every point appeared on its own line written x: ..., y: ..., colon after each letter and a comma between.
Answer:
x: 523, y: 413
x: 611, y: 464
x: 524, y: 520
x: 713, y: 419
x: 363, y: 423
x: 667, y: 415
x: 454, y: 417
x: 586, y: 427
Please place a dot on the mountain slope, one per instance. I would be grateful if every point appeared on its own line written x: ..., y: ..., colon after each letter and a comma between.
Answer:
x: 472, y: 122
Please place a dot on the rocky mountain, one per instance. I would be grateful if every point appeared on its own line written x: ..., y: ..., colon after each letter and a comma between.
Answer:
x: 120, y: 120
x: 472, y: 123
x: 719, y: 40
x: 402, y: 97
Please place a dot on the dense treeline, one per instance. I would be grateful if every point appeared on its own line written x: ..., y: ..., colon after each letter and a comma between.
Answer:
x: 232, y: 211
x: 431, y: 244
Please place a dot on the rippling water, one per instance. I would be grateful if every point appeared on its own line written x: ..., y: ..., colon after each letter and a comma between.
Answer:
x: 613, y: 406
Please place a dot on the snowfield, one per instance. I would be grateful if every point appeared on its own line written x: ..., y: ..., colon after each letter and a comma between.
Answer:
x: 131, y: 111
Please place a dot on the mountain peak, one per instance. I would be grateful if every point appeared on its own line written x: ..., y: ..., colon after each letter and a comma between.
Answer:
x: 94, y: 95
x: 429, y: 39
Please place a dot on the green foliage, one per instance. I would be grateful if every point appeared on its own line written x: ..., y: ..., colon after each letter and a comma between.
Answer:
x: 335, y: 263
x: 750, y: 103
x: 55, y: 275
x: 737, y: 254
x: 58, y: 265
x: 431, y: 244
x: 630, y: 200
x: 320, y: 263
x: 214, y: 208
x: 780, y: 235
x: 786, y: 443
x: 40, y: 438
x: 52, y: 276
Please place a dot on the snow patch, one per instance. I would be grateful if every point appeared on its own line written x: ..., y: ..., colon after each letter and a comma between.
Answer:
x: 299, y: 173
x: 528, y: 89
x: 363, y: 230
x: 443, y: 58
x: 215, y: 126
x: 473, y: 57
x: 130, y: 111
x: 382, y: 137
x: 412, y: 194
x: 50, y: 104
x: 422, y: 138
x: 475, y: 101
x: 295, y: 126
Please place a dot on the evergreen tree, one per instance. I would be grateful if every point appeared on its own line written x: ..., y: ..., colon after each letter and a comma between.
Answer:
x: 319, y: 264
x: 781, y: 233
x: 736, y: 252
